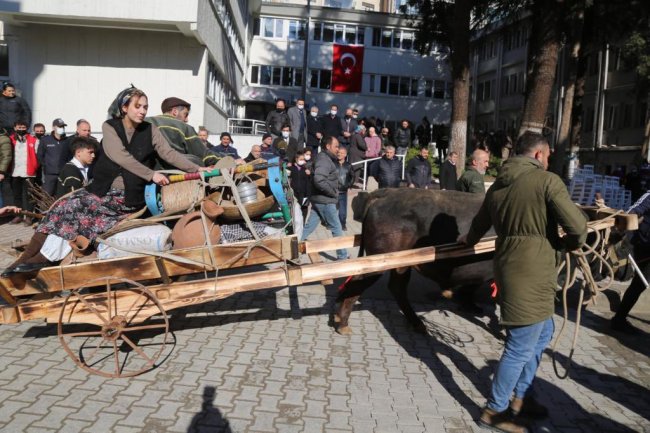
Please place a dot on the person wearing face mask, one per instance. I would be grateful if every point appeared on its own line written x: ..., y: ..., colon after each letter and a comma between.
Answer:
x: 25, y: 166
x: 309, y: 162
x: 314, y: 130
x: 298, y: 121
x: 277, y: 118
x: 286, y: 145
x: 331, y: 124
x: 52, y: 150
x: 300, y: 181
x: 348, y: 126
x: 13, y: 108
x: 39, y: 130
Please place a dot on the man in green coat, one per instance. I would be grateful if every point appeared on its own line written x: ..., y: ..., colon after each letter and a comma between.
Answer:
x: 6, y: 156
x: 525, y: 204
x: 181, y: 136
x: 472, y: 180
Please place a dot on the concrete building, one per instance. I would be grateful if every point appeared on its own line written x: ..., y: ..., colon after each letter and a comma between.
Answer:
x: 397, y: 82
x: 614, y: 117
x: 69, y: 58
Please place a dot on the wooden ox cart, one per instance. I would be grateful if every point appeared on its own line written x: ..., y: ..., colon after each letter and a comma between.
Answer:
x: 112, y: 315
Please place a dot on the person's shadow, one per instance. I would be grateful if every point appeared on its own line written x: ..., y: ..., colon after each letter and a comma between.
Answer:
x: 210, y: 418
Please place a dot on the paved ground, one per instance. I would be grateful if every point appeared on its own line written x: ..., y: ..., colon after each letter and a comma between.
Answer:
x: 269, y: 362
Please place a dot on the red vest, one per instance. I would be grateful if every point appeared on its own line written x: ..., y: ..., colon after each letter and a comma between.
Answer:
x: 32, y: 162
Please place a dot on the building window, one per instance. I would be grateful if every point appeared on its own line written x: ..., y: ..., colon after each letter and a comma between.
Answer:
x: 296, y: 30
x: 640, y: 119
x: 368, y: 6
x: 321, y: 79
x: 513, y: 84
x: 611, y: 117
x: 627, y: 116
x: 221, y: 92
x: 428, y: 88
x: 372, y: 83
x: 438, y: 89
x: 276, y: 75
x: 588, y: 120
x: 345, y: 34
x: 4, y: 60
x: 504, y: 85
x: 393, y: 38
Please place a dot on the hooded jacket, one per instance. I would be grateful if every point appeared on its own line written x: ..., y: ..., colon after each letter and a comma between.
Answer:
x: 525, y: 204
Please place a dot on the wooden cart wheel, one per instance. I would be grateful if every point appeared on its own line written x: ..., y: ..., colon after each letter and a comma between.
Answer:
x: 125, y: 327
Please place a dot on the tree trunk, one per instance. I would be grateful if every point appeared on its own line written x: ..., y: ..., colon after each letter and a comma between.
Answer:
x: 542, y: 63
x: 575, y: 35
x: 460, y: 74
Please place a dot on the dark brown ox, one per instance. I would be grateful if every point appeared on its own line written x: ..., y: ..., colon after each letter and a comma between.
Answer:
x: 401, y: 219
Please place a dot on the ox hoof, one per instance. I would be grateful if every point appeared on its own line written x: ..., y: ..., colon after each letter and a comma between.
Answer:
x: 344, y: 330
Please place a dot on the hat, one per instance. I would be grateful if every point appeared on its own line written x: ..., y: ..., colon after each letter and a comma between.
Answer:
x: 172, y: 102
x: 226, y: 134
x: 59, y: 123
x: 265, y: 136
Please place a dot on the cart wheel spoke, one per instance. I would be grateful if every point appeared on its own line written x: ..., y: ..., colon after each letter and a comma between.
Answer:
x: 108, y: 356
x: 143, y: 327
x: 90, y: 307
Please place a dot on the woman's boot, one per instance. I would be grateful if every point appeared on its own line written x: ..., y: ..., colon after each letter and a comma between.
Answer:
x: 32, y: 254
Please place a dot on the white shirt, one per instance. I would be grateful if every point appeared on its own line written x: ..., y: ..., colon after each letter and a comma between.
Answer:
x: 82, y: 168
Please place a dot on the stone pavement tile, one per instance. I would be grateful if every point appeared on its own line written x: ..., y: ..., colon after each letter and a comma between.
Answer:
x: 33, y: 429
x: 264, y: 422
x: 238, y: 425
x: 74, y: 426
x: 54, y: 417
x: 42, y: 405
x: 105, y: 422
x: 338, y: 421
x: 19, y: 422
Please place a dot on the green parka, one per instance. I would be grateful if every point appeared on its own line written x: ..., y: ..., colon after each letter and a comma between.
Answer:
x: 525, y: 204
x: 182, y: 138
x: 6, y: 152
x: 471, y: 181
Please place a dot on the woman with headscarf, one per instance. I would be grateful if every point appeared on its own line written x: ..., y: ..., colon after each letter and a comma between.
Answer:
x: 124, y: 167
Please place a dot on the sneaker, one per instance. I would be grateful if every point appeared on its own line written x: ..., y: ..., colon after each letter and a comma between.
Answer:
x: 501, y: 422
x: 622, y: 325
x: 528, y: 407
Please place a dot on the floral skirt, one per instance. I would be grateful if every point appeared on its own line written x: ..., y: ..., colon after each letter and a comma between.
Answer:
x: 85, y: 214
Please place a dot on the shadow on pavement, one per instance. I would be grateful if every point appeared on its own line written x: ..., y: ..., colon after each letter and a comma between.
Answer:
x: 210, y: 418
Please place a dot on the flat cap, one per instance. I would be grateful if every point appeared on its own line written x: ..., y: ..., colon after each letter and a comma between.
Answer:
x: 172, y: 102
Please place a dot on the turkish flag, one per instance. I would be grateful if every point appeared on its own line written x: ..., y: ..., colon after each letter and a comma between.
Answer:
x: 347, y: 68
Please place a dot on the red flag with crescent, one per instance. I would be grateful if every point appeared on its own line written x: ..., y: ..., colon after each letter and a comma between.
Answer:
x: 347, y: 68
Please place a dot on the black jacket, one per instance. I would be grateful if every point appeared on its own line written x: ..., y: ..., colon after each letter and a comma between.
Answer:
x: 290, y: 148
x: 418, y: 172
x: 300, y: 183
x: 275, y: 121
x: 314, y: 125
x: 389, y: 172
x: 346, y: 176
x: 448, y: 176
x: 325, y: 179
x: 12, y: 109
x: 51, y: 153
x: 331, y: 126
x: 70, y: 179
x: 402, y: 137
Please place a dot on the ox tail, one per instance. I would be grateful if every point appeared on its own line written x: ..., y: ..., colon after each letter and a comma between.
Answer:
x: 361, y: 253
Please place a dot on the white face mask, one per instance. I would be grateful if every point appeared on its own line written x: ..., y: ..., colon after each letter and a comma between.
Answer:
x: 301, y: 162
x: 285, y: 134
x: 314, y: 114
x: 354, y: 116
x: 333, y: 112
x: 300, y: 107
x: 60, y: 131
x: 307, y: 157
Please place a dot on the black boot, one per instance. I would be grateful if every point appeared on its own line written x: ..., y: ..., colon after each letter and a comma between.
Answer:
x: 32, y: 252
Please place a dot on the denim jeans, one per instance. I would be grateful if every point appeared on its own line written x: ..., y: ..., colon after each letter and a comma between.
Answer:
x: 343, y: 208
x: 328, y: 214
x: 519, y: 361
x: 2, y: 200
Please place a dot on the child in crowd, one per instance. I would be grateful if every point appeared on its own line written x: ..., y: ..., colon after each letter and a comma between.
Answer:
x: 300, y: 181
x: 308, y: 161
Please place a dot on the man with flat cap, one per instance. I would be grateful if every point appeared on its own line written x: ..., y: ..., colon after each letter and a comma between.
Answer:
x: 181, y: 136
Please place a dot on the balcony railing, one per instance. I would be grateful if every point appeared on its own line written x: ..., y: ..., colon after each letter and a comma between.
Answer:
x: 246, y: 126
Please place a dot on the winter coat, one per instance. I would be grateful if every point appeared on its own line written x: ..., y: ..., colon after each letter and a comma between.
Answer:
x: 287, y: 148
x: 448, y: 179
x: 325, y: 179
x: 347, y: 125
x: 388, y: 172
x: 182, y: 138
x: 275, y: 121
x: 51, y: 154
x: 331, y: 126
x: 402, y: 137
x: 373, y: 146
x: 300, y: 183
x: 525, y: 204
x: 357, y: 150
x: 346, y: 176
x: 31, y: 151
x: 314, y: 125
x: 12, y: 109
x: 471, y: 181
x: 6, y: 152
x: 294, y: 116
x: 418, y: 172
